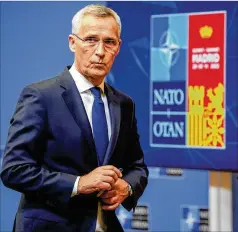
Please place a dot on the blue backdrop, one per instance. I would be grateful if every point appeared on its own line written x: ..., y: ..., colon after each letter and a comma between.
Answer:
x: 34, y: 47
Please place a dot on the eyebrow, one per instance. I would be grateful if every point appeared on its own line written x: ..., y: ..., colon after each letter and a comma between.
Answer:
x: 95, y: 35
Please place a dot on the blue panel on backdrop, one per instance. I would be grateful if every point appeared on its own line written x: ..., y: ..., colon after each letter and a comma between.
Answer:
x: 174, y: 41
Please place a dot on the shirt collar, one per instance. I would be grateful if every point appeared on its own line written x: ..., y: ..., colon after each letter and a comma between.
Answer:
x: 82, y: 83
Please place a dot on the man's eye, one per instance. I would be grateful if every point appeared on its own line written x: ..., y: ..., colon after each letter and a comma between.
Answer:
x: 110, y: 42
x: 91, y: 40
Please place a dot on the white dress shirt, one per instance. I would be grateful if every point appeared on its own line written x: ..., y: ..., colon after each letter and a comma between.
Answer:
x: 83, y: 86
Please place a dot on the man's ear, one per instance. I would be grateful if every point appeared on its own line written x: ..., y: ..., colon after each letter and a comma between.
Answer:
x: 71, y: 43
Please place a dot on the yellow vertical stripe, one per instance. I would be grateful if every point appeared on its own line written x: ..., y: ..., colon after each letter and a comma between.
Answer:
x: 200, y: 129
x: 195, y: 130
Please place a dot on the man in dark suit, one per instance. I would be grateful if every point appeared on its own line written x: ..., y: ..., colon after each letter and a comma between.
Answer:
x: 73, y: 149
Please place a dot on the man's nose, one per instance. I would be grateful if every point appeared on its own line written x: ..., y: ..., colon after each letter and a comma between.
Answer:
x: 100, y: 50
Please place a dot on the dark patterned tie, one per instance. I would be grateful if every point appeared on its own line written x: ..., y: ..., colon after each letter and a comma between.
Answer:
x: 99, y: 123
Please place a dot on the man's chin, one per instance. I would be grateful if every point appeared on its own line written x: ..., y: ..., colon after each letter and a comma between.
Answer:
x: 96, y: 77
x: 98, y: 74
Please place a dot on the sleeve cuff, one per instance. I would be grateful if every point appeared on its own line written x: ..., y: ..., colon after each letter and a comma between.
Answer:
x: 75, y: 189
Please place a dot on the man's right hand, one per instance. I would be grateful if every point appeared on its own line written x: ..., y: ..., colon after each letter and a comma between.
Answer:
x: 100, y: 179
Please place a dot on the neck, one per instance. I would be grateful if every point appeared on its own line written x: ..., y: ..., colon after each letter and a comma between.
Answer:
x: 96, y: 81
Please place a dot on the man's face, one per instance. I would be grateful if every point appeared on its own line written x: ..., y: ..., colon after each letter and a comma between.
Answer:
x: 95, y: 55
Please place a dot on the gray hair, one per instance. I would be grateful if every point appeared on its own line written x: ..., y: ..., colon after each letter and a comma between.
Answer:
x: 95, y: 10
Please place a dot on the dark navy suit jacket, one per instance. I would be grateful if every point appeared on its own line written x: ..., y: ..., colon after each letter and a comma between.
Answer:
x: 50, y: 143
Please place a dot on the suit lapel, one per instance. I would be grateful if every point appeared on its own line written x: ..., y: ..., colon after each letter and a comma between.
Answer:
x: 115, y: 114
x: 75, y: 105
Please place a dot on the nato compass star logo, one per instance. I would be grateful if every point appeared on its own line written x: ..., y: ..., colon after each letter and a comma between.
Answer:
x: 190, y: 221
x: 169, y: 48
x: 124, y: 217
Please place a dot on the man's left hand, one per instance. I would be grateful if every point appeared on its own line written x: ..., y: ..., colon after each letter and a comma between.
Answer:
x: 114, y: 197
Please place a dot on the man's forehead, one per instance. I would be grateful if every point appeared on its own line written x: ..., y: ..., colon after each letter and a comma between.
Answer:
x: 93, y: 24
x: 89, y: 18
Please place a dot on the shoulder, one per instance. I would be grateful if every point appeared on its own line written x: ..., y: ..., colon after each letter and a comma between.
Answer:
x: 45, y: 85
x: 45, y: 89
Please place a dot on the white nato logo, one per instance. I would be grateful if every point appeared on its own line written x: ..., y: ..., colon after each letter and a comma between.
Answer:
x: 190, y: 221
x: 169, y: 48
x: 122, y: 216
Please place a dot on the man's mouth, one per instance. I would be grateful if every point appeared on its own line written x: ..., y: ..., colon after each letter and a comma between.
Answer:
x: 99, y: 65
